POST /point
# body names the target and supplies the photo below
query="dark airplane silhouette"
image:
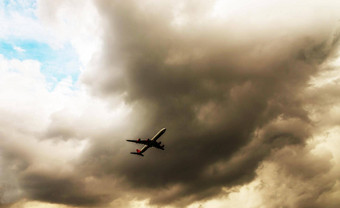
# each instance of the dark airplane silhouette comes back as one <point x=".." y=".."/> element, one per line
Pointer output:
<point x="148" y="143"/>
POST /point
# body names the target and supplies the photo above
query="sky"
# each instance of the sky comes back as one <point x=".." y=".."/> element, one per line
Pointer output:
<point x="248" y="91"/>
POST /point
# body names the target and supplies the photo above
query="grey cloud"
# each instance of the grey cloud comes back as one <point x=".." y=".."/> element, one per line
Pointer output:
<point x="59" y="189"/>
<point x="229" y="93"/>
<point x="301" y="179"/>
<point x="62" y="127"/>
<point x="212" y="87"/>
<point x="21" y="177"/>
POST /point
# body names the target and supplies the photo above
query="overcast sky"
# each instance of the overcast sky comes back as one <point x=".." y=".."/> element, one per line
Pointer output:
<point x="249" y="92"/>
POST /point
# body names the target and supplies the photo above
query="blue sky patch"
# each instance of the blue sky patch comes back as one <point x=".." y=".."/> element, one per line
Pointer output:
<point x="56" y="64"/>
<point x="24" y="7"/>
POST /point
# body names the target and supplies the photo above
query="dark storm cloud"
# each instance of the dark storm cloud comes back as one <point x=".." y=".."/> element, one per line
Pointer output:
<point x="22" y="176"/>
<point x="58" y="189"/>
<point x="228" y="94"/>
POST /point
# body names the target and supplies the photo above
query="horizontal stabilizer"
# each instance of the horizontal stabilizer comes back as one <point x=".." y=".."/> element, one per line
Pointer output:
<point x="137" y="153"/>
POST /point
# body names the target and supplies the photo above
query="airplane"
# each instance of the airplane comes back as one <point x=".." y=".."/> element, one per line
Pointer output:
<point x="148" y="143"/>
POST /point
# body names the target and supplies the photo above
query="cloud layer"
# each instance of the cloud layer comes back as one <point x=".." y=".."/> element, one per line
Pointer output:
<point x="229" y="93"/>
<point x="234" y="89"/>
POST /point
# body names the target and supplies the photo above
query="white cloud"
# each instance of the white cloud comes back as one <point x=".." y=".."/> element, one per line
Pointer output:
<point x="25" y="93"/>
<point x="54" y="23"/>
<point x="28" y="108"/>
<point x="80" y="24"/>
<point x="17" y="48"/>
<point x="16" y="25"/>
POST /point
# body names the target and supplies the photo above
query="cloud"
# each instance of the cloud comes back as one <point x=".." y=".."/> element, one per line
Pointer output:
<point x="36" y="164"/>
<point x="17" y="48"/>
<point x="229" y="91"/>
<point x="233" y="90"/>
<point x="297" y="177"/>
<point x="69" y="21"/>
